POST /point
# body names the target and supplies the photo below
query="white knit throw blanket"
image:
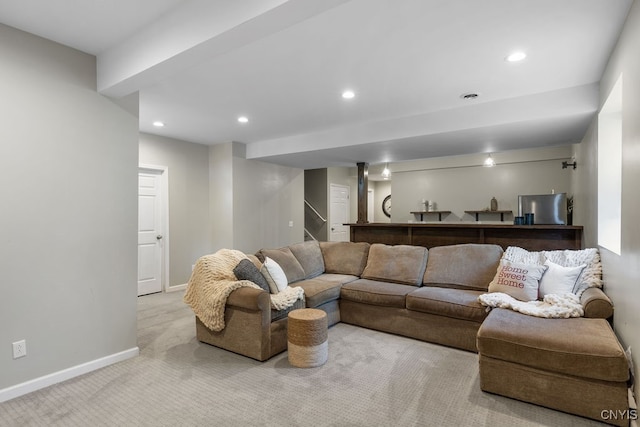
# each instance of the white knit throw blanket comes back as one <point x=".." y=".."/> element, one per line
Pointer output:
<point x="553" y="305"/>
<point x="213" y="280"/>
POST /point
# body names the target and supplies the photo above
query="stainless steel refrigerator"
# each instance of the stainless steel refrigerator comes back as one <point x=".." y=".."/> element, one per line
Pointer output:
<point x="546" y="208"/>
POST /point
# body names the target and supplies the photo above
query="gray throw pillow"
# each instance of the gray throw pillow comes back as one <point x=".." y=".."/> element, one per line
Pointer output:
<point x="246" y="270"/>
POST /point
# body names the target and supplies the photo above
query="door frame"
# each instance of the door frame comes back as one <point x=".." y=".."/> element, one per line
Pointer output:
<point x="164" y="199"/>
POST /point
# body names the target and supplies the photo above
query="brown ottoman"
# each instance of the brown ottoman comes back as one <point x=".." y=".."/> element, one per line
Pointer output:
<point x="307" y="338"/>
<point x="573" y="365"/>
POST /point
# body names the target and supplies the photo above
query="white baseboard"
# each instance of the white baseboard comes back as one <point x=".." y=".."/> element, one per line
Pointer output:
<point x="177" y="288"/>
<point x="66" y="374"/>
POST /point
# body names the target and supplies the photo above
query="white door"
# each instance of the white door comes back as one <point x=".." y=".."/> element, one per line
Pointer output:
<point x="150" y="228"/>
<point x="339" y="213"/>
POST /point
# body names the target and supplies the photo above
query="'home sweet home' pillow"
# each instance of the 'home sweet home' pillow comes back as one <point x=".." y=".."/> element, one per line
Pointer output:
<point x="518" y="280"/>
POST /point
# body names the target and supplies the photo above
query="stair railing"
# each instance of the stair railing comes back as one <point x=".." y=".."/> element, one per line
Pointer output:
<point x="315" y="211"/>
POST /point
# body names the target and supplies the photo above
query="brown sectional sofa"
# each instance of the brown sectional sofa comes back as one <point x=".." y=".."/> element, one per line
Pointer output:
<point x="432" y="295"/>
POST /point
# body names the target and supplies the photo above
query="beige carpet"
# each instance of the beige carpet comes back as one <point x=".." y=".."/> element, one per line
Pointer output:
<point x="370" y="379"/>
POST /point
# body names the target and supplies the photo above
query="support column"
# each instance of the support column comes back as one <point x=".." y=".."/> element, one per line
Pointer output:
<point x="363" y="192"/>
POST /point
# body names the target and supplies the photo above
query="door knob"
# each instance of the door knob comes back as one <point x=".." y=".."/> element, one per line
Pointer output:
<point x="159" y="237"/>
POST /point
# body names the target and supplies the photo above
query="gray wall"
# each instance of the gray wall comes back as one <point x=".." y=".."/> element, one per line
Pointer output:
<point x="460" y="183"/>
<point x="221" y="196"/>
<point x="252" y="202"/>
<point x="266" y="199"/>
<point x="584" y="186"/>
<point x="621" y="273"/>
<point x="189" y="224"/>
<point x="381" y="190"/>
<point x="68" y="167"/>
<point x="218" y="199"/>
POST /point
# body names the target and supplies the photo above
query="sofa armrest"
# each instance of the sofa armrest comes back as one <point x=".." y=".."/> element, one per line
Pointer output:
<point x="250" y="299"/>
<point x="596" y="304"/>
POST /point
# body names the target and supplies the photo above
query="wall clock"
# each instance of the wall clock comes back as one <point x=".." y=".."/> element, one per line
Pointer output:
<point x="386" y="206"/>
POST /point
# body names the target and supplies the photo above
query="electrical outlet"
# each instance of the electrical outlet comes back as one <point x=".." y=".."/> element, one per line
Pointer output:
<point x="19" y="349"/>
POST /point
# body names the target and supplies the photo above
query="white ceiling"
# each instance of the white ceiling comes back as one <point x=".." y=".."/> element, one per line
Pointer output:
<point x="199" y="64"/>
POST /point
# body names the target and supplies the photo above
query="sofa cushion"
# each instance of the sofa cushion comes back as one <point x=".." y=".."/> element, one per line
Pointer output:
<point x="247" y="270"/>
<point x="376" y="293"/>
<point x="398" y="264"/>
<point x="323" y="288"/>
<point x="467" y="266"/>
<point x="286" y="260"/>
<point x="310" y="258"/>
<point x="344" y="257"/>
<point x="457" y="303"/>
<point x="581" y="347"/>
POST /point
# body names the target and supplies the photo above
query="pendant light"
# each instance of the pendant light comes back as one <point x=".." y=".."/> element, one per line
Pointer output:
<point x="489" y="162"/>
<point x="386" y="173"/>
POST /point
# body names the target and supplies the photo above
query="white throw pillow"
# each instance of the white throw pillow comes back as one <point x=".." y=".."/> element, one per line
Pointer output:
<point x="274" y="275"/>
<point x="558" y="279"/>
<point x="518" y="280"/>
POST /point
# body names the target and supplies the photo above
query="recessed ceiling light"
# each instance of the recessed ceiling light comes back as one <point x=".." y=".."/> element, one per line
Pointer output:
<point x="243" y="119"/>
<point x="471" y="95"/>
<point x="516" y="56"/>
<point x="158" y="124"/>
<point x="348" y="94"/>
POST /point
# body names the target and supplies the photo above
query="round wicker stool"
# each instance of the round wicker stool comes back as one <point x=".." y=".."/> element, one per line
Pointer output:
<point x="307" y="338"/>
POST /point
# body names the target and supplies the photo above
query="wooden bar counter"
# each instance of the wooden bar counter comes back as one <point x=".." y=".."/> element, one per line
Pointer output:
<point x="530" y="237"/>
